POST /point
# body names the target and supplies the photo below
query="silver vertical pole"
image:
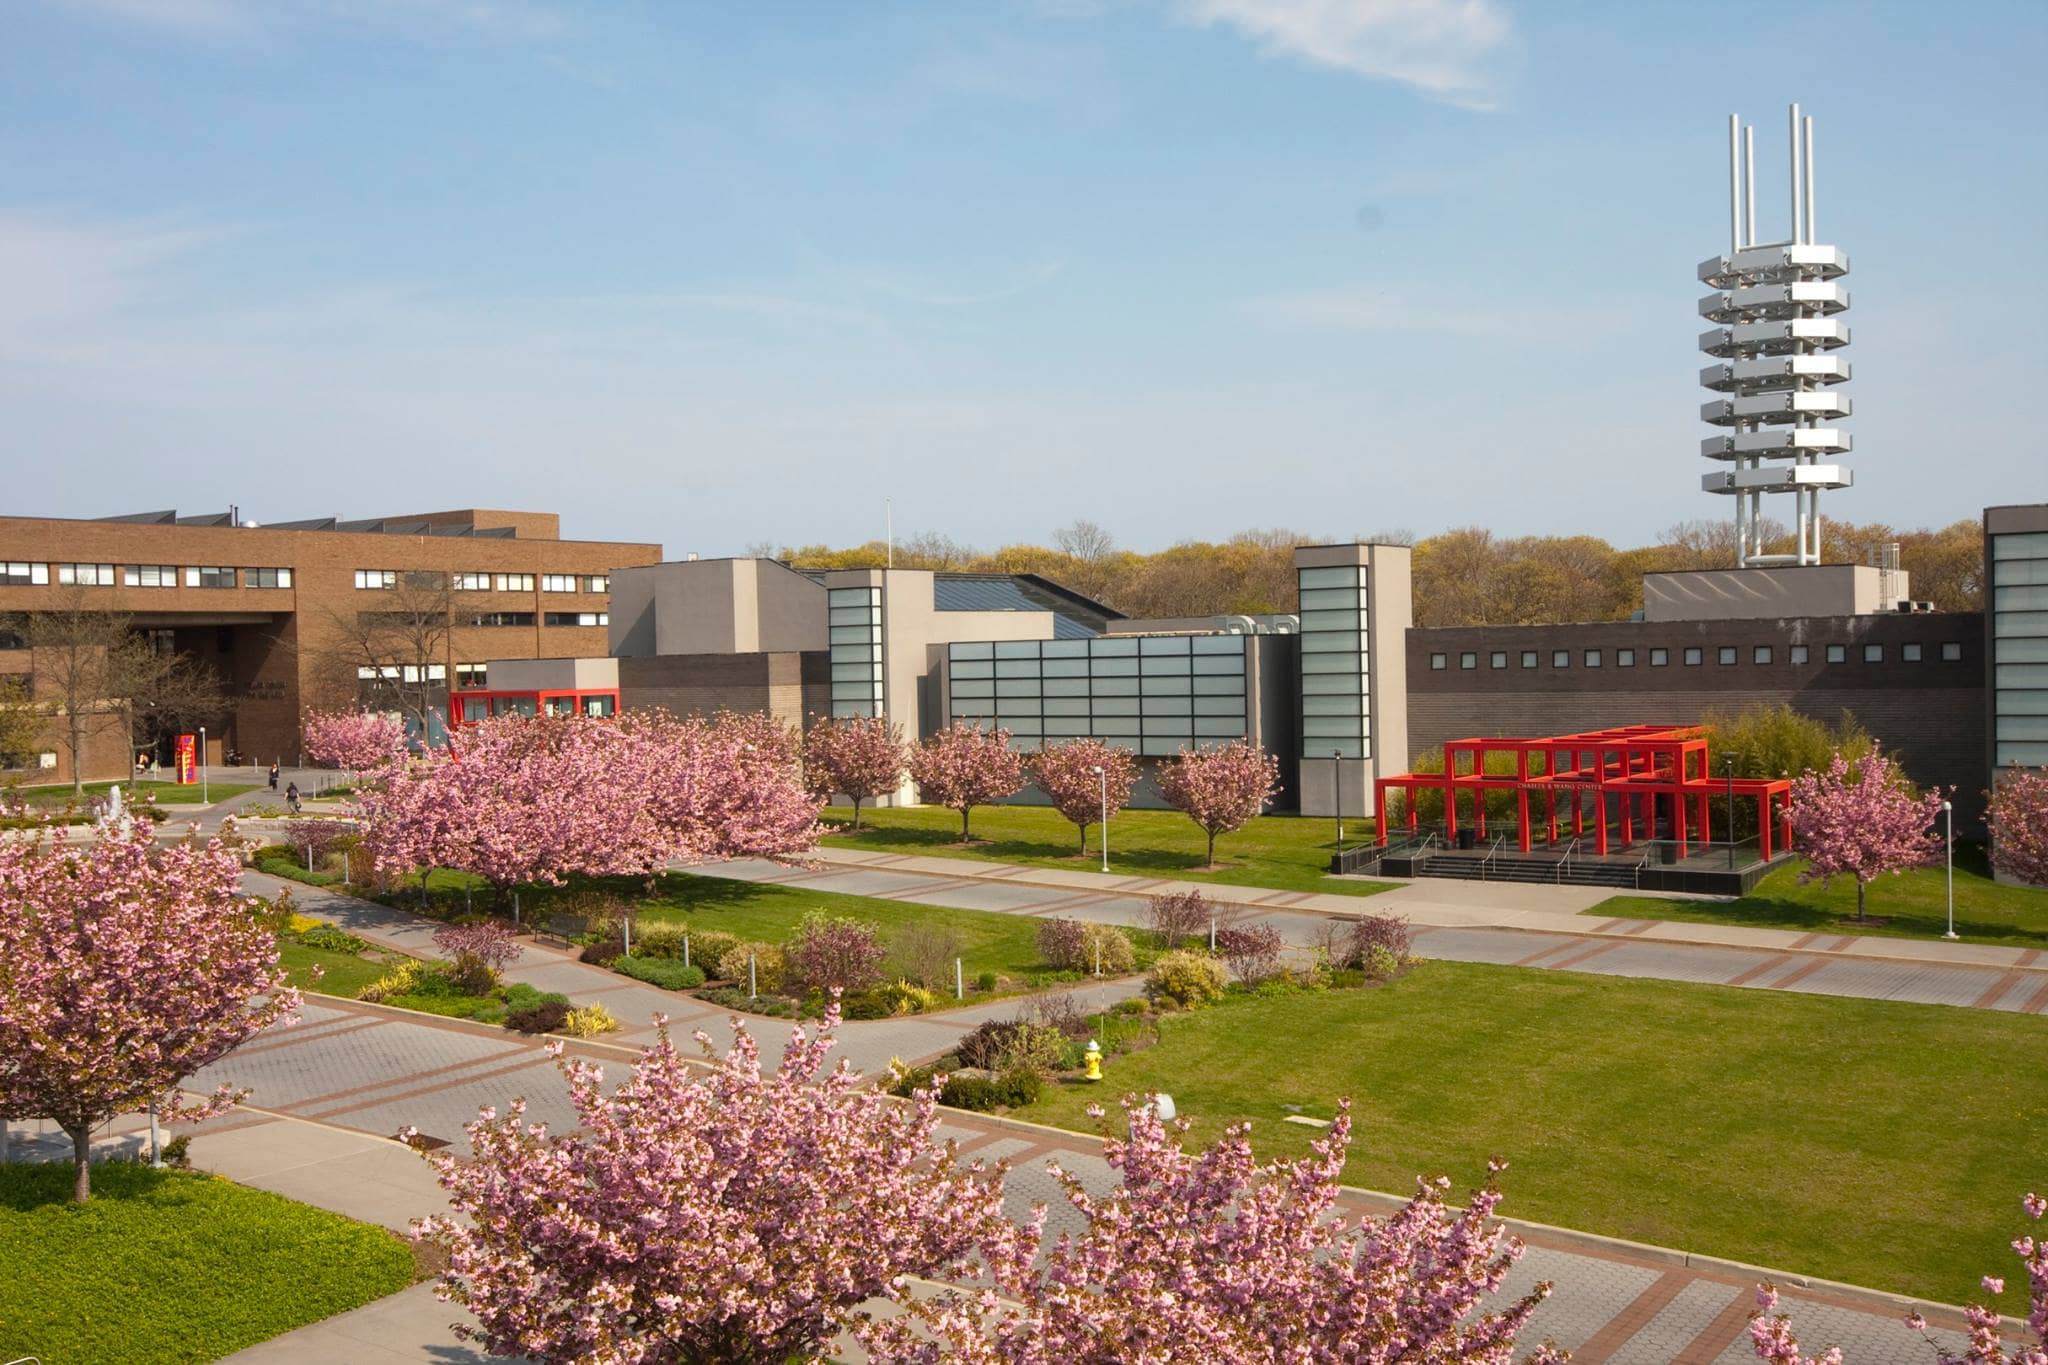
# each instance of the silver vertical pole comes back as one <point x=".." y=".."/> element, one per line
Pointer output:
<point x="1798" y="190"/>
<point x="1749" y="185"/>
<point x="1811" y="233"/>
<point x="1735" y="193"/>
<point x="959" y="980"/>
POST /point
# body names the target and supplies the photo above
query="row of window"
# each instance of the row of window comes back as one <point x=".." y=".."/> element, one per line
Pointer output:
<point x="1695" y="655"/>
<point x="21" y="574"/>
<point x="378" y="579"/>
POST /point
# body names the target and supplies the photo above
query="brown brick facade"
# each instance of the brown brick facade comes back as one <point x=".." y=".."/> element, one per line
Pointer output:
<point x="268" y="644"/>
<point x="792" y="687"/>
<point x="1929" y="712"/>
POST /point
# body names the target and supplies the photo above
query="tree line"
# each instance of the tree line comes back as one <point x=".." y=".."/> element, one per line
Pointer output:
<point x="1466" y="576"/>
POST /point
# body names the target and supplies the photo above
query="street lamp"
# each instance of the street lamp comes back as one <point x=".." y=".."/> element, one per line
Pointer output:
<point x="1103" y="777"/>
<point x="1948" y="821"/>
<point x="1728" y="763"/>
<point x="202" y="766"/>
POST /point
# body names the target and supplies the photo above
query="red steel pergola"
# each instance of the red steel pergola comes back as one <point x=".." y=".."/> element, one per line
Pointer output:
<point x="1631" y="767"/>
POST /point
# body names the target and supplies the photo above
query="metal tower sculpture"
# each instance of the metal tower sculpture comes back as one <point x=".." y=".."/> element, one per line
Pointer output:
<point x="1777" y="305"/>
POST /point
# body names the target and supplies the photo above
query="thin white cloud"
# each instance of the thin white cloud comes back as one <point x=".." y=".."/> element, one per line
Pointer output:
<point x="1443" y="48"/>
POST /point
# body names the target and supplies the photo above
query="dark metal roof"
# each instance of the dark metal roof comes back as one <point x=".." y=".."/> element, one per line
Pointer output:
<point x="1074" y="617"/>
<point x="368" y="526"/>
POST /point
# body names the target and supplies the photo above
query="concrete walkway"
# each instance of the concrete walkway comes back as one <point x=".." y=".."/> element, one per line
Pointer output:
<point x="1508" y="923"/>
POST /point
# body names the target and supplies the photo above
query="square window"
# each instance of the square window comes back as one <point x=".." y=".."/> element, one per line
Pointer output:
<point x="1468" y="660"/>
<point x="1910" y="653"/>
<point x="1724" y="654"/>
<point x="1659" y="658"/>
<point x="1437" y="661"/>
<point x="1798" y="654"/>
<point x="1624" y="658"/>
<point x="1560" y="658"/>
<point x="1760" y="655"/>
<point x="1528" y="658"/>
<point x="1499" y="658"/>
<point x="1951" y="652"/>
<point x="1837" y="653"/>
<point x="1592" y="658"/>
<point x="1873" y="654"/>
<point x="1694" y="656"/>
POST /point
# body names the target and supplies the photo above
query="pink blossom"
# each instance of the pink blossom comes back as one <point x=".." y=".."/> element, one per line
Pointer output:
<point x="1220" y="788"/>
<point x="964" y="766"/>
<point x="861" y="756"/>
<point x="1861" y="820"/>
<point x="2018" y="816"/>
<point x="359" y="741"/>
<point x="1066" y="774"/>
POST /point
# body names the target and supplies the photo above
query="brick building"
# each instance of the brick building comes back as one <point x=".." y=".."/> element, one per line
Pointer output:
<point x="288" y="613"/>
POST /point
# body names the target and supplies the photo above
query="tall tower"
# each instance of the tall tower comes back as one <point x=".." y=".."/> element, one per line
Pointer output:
<point x="1777" y="304"/>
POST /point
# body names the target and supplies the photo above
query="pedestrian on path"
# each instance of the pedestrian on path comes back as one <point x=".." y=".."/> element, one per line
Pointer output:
<point x="291" y="797"/>
<point x="273" y="777"/>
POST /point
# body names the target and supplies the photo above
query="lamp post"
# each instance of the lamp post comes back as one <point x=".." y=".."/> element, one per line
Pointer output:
<point x="1948" y="822"/>
<point x="1337" y="783"/>
<point x="1728" y="763"/>
<point x="202" y="766"/>
<point x="1103" y="778"/>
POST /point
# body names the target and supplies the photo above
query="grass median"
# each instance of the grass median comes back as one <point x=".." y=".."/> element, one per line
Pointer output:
<point x="1283" y="852"/>
<point x="170" y="1266"/>
<point x="1912" y="904"/>
<point x="1868" y="1141"/>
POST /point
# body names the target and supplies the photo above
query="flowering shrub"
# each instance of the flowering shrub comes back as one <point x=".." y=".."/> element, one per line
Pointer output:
<point x="1066" y="774"/>
<point x="1252" y="951"/>
<point x="488" y="941"/>
<point x="1862" y="820"/>
<point x="1189" y="979"/>
<point x="964" y="766"/>
<point x="589" y="1021"/>
<point x="860" y="756"/>
<point x="1059" y="942"/>
<point x="360" y="741"/>
<point x="308" y="835"/>
<point x="1178" y="917"/>
<point x="830" y="952"/>
<point x="1220" y="788"/>
<point x="2018" y="816"/>
<point x="1351" y="944"/>
<point x="1079" y="946"/>
<point x="734" y="1216"/>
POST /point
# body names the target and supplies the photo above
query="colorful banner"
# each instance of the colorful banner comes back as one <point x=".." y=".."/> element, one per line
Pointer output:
<point x="188" y="760"/>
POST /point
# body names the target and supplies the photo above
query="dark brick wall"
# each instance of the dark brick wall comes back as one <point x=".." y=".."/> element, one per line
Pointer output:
<point x="1930" y="713"/>
<point x="792" y="687"/>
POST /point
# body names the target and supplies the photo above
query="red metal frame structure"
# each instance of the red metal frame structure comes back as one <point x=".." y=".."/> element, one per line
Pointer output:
<point x="566" y="701"/>
<point x="1633" y="766"/>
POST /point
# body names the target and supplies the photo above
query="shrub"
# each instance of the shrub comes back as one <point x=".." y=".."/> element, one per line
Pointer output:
<point x="404" y="979"/>
<point x="924" y="953"/>
<point x="664" y="939"/>
<point x="1178" y="917"/>
<point x="488" y="941"/>
<point x="1253" y="951"/>
<point x="1350" y="945"/>
<point x="549" y="1016"/>
<point x="603" y="952"/>
<point x="1107" y="949"/>
<point x="732" y="965"/>
<point x="1380" y="964"/>
<point x="602" y="912"/>
<point x="829" y="951"/>
<point x="983" y="1049"/>
<point x="708" y="948"/>
<point x="1059" y="942"/>
<point x="470" y="976"/>
<point x="888" y="1001"/>
<point x="666" y="973"/>
<point x="1137" y="1004"/>
<point x="178" y="1151"/>
<point x="1189" y="979"/>
<point x="330" y="939"/>
<point x="1011" y="1090"/>
<point x="589" y="1021"/>
<point x="735" y="998"/>
<point x="987" y="981"/>
<point x="520" y="995"/>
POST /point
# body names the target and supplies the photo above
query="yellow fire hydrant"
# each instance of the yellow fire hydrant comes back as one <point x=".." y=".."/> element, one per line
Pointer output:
<point x="1094" y="1060"/>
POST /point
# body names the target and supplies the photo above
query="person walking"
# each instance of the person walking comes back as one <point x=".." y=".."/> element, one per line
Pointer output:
<point x="291" y="796"/>
<point x="273" y="777"/>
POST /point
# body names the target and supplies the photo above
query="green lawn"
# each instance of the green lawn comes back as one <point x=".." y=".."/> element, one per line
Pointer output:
<point x="1914" y="905"/>
<point x="1874" y="1142"/>
<point x="346" y="973"/>
<point x="1285" y="852"/>
<point x="166" y="1266"/>
<point x="166" y="793"/>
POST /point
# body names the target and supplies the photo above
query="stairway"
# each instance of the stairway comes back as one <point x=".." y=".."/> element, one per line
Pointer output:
<point x="1514" y="868"/>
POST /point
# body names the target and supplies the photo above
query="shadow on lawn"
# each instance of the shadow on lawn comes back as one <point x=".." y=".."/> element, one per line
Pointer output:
<point x="1776" y="913"/>
<point x="1002" y="850"/>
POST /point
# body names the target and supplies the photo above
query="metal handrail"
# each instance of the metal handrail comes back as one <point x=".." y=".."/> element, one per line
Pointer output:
<point x="1640" y="865"/>
<point x="1564" y="863"/>
<point x="1486" y="863"/>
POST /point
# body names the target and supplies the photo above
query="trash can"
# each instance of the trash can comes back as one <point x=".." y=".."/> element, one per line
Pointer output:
<point x="1468" y="838"/>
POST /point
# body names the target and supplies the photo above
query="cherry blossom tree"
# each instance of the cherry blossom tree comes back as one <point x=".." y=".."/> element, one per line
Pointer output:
<point x="1220" y="788"/>
<point x="2018" y="816"/>
<point x="540" y="798"/>
<point x="964" y="766"/>
<point x="1210" y="1256"/>
<point x="357" y="741"/>
<point x="124" y="968"/>
<point x="1066" y="773"/>
<point x="861" y="756"/>
<point x="728" y="1216"/>
<point x="1862" y="820"/>
<point x="1772" y="1338"/>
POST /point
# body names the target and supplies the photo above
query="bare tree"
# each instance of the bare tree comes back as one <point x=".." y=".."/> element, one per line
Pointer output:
<point x="1084" y="540"/>
<point x="88" y="665"/>
<point x="173" y="694"/>
<point x="393" y="658"/>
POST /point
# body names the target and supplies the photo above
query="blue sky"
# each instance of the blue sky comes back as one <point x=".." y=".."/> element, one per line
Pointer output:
<point x="716" y="274"/>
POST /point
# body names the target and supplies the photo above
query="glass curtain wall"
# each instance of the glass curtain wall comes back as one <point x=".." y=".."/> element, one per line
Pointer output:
<point x="1152" y="694"/>
<point x="2019" y="649"/>
<point x="1334" y="687"/>
<point x="855" y="650"/>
